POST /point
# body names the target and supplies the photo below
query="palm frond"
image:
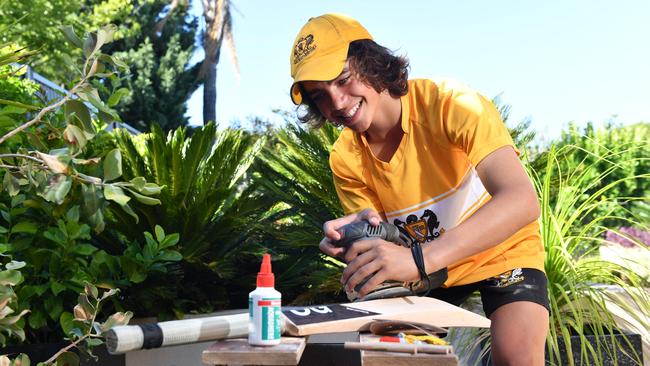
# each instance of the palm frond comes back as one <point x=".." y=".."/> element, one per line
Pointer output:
<point x="208" y="198"/>
<point x="294" y="171"/>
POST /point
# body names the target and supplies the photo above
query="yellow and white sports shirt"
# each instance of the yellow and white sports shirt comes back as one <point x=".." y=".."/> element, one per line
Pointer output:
<point x="430" y="184"/>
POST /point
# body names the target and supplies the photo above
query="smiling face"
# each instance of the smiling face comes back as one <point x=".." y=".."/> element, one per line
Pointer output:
<point x="345" y="100"/>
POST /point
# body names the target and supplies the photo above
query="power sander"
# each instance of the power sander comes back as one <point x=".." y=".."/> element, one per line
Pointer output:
<point x="363" y="230"/>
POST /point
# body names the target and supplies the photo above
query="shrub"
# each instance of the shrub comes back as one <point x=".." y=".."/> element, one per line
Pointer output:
<point x="55" y="192"/>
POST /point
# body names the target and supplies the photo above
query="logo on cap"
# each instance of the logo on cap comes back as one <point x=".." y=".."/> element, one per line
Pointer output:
<point x="304" y="47"/>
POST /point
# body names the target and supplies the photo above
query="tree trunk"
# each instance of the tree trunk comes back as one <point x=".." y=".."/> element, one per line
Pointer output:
<point x="210" y="93"/>
<point x="218" y="26"/>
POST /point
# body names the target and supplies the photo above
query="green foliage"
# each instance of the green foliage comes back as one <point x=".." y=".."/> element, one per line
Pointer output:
<point x="61" y="257"/>
<point x="57" y="266"/>
<point x="613" y="160"/>
<point x="119" y="12"/>
<point x="14" y="88"/>
<point x="521" y="133"/>
<point x="161" y="79"/>
<point x="33" y="24"/>
<point x="16" y="94"/>
<point x="57" y="180"/>
<point x="20" y="360"/>
<point x="154" y="256"/>
<point x="627" y="154"/>
<point x="11" y="53"/>
<point x="53" y="174"/>
<point x="82" y="327"/>
<point x="571" y="233"/>
<point x="210" y="200"/>
<point x="10" y="277"/>
<point x="14" y="111"/>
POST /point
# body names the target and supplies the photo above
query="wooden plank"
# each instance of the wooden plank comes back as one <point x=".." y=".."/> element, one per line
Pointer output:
<point x="383" y="358"/>
<point x="239" y="352"/>
<point x="357" y="316"/>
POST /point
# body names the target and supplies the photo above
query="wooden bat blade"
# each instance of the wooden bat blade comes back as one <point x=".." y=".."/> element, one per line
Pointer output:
<point x="357" y="316"/>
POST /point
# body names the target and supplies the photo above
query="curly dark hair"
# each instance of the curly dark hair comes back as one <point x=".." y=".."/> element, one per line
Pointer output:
<point x="375" y="65"/>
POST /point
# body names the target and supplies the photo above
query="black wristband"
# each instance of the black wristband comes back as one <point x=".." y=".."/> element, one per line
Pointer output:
<point x="418" y="257"/>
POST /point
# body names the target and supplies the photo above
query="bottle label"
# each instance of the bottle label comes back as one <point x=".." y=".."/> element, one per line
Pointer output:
<point x="270" y="311"/>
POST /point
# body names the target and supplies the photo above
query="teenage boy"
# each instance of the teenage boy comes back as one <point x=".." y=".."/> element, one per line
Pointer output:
<point x="434" y="158"/>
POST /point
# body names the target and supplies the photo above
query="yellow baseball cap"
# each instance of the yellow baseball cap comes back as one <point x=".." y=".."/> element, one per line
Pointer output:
<point x="321" y="49"/>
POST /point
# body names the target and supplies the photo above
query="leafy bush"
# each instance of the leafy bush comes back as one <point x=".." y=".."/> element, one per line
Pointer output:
<point x="10" y="277"/>
<point x="55" y="190"/>
<point x="15" y="88"/>
<point x="83" y="328"/>
<point x="61" y="257"/>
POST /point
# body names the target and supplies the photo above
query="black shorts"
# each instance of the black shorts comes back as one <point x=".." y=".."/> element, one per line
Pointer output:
<point x="519" y="284"/>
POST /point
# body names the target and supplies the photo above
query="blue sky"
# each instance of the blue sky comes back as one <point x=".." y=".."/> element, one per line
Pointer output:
<point x="552" y="61"/>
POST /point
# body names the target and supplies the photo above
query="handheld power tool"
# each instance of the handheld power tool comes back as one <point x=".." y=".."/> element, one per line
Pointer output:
<point x="363" y="230"/>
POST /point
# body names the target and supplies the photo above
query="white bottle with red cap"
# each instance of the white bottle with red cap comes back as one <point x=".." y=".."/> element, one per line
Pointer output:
<point x="264" y="308"/>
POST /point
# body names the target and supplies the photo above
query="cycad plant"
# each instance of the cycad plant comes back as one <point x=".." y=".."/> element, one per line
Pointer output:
<point x="209" y="199"/>
<point x="295" y="174"/>
<point x="571" y="235"/>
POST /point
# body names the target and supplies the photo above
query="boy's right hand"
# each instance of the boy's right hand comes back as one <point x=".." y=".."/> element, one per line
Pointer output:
<point x="330" y="229"/>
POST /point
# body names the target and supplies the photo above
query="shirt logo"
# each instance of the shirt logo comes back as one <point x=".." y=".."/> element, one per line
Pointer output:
<point x="304" y="47"/>
<point x="420" y="229"/>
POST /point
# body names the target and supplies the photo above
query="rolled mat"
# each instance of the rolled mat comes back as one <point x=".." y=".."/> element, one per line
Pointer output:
<point x="127" y="338"/>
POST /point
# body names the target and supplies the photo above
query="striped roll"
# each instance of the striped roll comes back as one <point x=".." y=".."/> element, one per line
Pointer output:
<point x="127" y="338"/>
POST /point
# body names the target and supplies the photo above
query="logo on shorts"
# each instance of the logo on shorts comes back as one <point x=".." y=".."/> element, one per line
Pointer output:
<point x="507" y="278"/>
<point x="304" y="47"/>
<point x="420" y="229"/>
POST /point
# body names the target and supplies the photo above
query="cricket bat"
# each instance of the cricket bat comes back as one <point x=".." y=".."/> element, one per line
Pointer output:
<point x="357" y="316"/>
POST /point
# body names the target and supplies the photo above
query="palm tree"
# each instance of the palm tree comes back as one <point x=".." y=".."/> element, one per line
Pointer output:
<point x="218" y="27"/>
